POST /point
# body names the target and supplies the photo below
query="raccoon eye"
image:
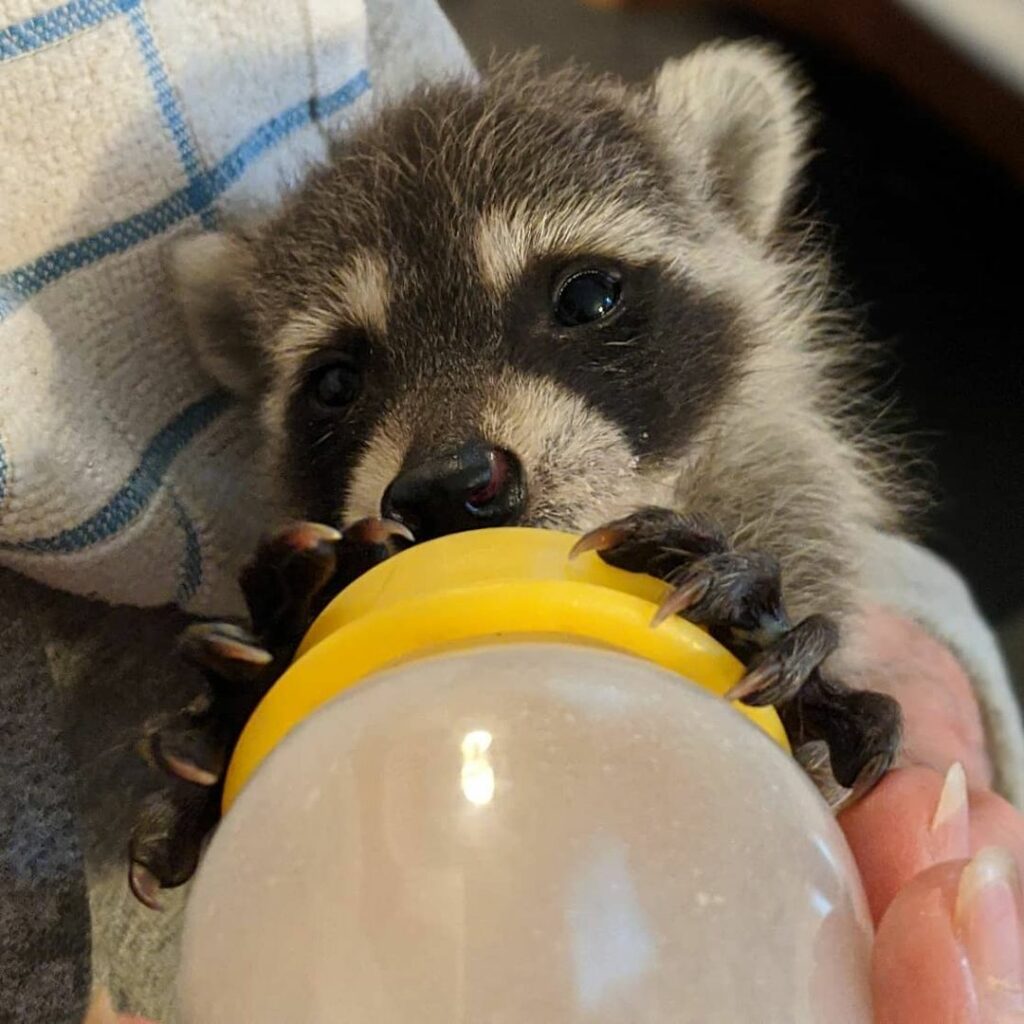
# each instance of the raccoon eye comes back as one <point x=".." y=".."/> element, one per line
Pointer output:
<point x="586" y="295"/>
<point x="336" y="385"/>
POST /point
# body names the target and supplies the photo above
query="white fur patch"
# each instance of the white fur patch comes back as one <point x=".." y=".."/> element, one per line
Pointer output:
<point x="301" y="336"/>
<point x="579" y="466"/>
<point x="507" y="238"/>
<point x="357" y="296"/>
<point x="361" y="289"/>
<point x="378" y="465"/>
<point x="739" y="109"/>
<point x="209" y="271"/>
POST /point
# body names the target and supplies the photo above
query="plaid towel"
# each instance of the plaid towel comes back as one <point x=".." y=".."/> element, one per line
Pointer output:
<point x="123" y="474"/>
<point x="90" y="486"/>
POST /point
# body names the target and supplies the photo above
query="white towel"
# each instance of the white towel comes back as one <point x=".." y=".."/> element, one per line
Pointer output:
<point x="123" y="474"/>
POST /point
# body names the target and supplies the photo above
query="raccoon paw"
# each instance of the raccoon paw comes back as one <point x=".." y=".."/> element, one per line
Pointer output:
<point x="293" y="576"/>
<point x="737" y="596"/>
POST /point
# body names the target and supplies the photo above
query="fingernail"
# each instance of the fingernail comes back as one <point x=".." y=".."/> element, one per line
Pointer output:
<point x="953" y="798"/>
<point x="949" y="835"/>
<point x="987" y="920"/>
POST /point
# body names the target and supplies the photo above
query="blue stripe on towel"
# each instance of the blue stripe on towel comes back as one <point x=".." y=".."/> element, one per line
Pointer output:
<point x="138" y="490"/>
<point x="20" y="284"/>
<point x="165" y="97"/>
<point x="190" y="574"/>
<point x="322" y="107"/>
<point x="59" y="23"/>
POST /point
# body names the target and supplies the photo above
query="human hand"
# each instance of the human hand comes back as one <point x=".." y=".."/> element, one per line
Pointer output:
<point x="938" y="851"/>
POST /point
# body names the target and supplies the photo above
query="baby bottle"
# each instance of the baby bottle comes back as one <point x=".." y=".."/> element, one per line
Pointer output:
<point x="487" y="791"/>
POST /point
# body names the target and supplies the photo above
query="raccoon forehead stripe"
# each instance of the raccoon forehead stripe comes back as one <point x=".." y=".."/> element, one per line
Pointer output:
<point x="355" y="294"/>
<point x="301" y="335"/>
<point x="361" y="288"/>
<point x="506" y="239"/>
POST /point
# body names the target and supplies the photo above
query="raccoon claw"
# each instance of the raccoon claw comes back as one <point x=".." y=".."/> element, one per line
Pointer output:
<point x="686" y="596"/>
<point x="144" y="885"/>
<point x="305" y="536"/>
<point x="298" y="570"/>
<point x="845" y="739"/>
<point x="813" y="757"/>
<point x="174" y="820"/>
<point x="655" y="541"/>
<point x="294" y="574"/>
<point x="729" y="590"/>
<point x="604" y="538"/>
<point x="365" y="544"/>
<point x="225" y="649"/>
<point x="869" y="776"/>
<point x="861" y="728"/>
<point x="289" y="572"/>
<point x="192" y="750"/>
<point x="167" y="839"/>
<point x="378" y="531"/>
<point x="781" y="672"/>
<point x="815" y="761"/>
<point x="192" y="755"/>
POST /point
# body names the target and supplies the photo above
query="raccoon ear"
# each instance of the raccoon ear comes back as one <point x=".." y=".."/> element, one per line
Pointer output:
<point x="738" y="108"/>
<point x="209" y="273"/>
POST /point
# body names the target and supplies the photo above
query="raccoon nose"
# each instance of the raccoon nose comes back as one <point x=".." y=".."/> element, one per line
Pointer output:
<point x="464" y="489"/>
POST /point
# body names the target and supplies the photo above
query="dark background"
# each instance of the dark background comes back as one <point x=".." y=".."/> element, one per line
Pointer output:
<point x="927" y="231"/>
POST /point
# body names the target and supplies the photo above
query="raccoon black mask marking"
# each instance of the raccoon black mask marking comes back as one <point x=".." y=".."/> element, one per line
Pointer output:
<point x="550" y="299"/>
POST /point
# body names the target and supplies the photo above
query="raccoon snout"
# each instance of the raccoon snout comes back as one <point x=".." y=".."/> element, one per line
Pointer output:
<point x="466" y="488"/>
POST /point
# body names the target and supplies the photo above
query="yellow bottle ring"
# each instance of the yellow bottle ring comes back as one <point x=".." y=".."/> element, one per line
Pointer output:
<point x="483" y="586"/>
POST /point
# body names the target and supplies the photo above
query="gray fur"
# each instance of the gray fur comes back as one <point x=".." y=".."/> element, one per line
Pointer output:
<point x="729" y="392"/>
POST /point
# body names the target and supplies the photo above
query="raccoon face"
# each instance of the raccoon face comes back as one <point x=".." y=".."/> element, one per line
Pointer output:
<point x="526" y="300"/>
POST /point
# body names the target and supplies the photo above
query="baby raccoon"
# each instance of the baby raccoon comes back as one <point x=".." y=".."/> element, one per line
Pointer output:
<point x="557" y="301"/>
